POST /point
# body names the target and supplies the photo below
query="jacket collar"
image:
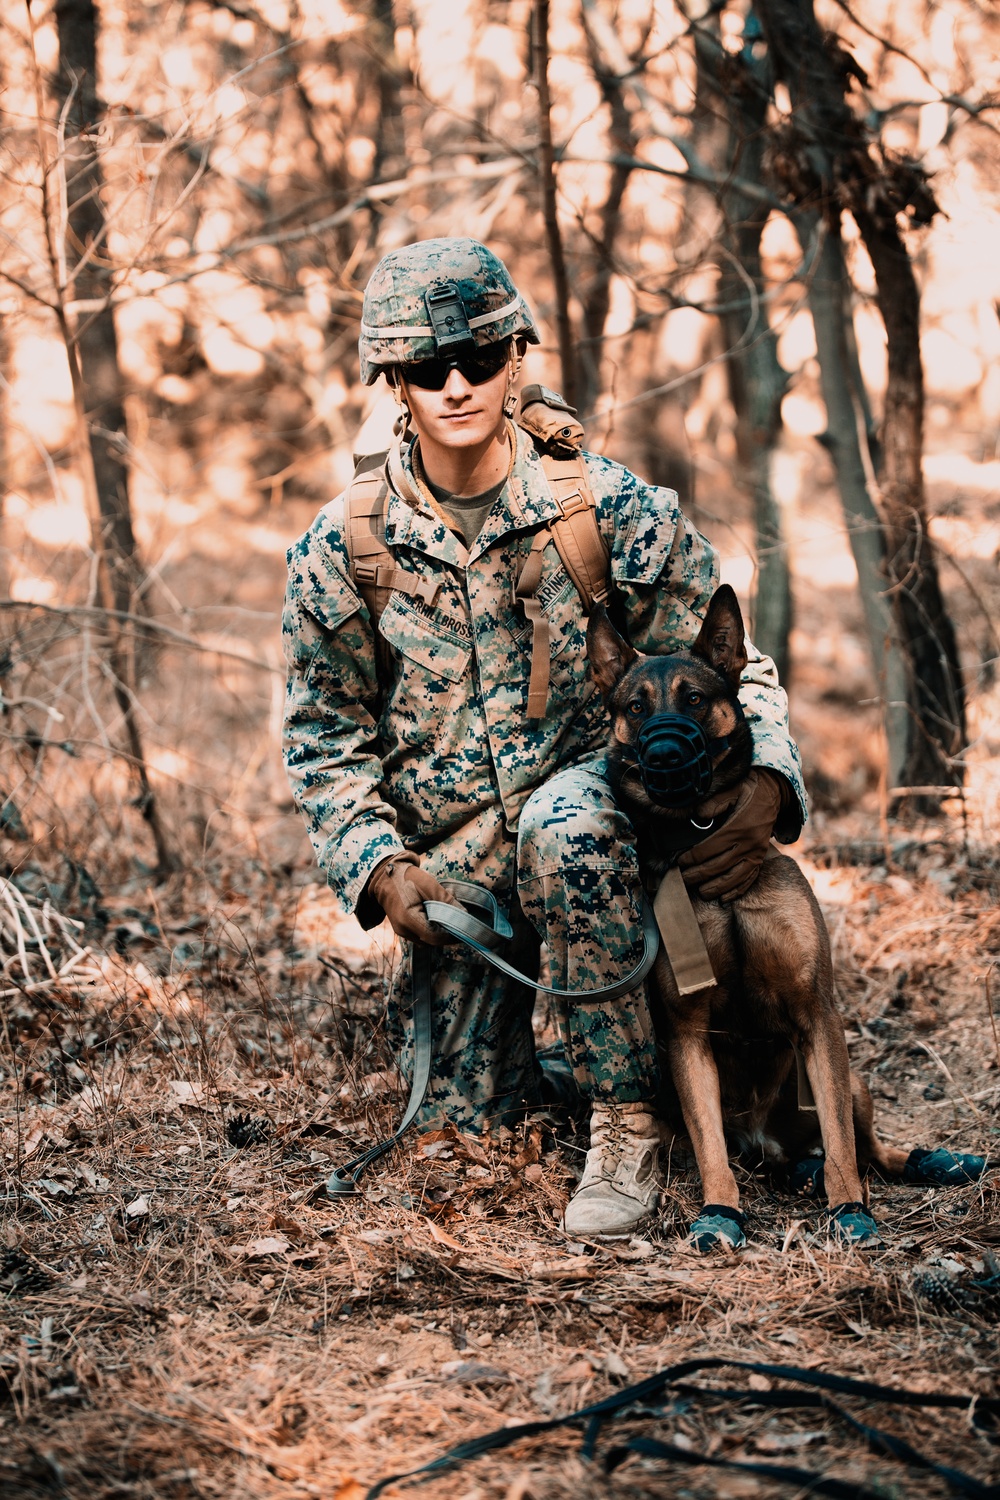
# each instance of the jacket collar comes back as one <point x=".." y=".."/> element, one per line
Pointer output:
<point x="523" y="504"/>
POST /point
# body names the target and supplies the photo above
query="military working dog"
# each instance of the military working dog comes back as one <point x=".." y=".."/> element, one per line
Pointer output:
<point x="738" y="1053"/>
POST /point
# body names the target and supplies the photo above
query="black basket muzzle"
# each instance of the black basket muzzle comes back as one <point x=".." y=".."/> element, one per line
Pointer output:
<point x="675" y="759"/>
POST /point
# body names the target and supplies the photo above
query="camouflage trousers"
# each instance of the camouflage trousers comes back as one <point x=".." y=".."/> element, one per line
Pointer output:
<point x="572" y="882"/>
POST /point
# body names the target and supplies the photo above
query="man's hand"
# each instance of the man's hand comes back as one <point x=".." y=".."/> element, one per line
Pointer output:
<point x="401" y="887"/>
<point x="726" y="864"/>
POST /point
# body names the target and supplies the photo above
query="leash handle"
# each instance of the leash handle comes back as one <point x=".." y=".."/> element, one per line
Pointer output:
<point x="466" y="929"/>
<point x="484" y="937"/>
<point x="460" y="922"/>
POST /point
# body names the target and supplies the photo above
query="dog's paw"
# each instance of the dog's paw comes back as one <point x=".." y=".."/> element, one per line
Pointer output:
<point x="943" y="1168"/>
<point x="807" y="1176"/>
<point x="850" y="1224"/>
<point x="718" y="1228"/>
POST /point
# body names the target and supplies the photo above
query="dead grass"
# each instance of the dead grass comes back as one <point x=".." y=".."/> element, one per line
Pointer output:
<point x="183" y="1316"/>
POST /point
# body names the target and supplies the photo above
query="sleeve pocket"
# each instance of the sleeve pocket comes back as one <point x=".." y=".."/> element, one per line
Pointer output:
<point x="643" y="546"/>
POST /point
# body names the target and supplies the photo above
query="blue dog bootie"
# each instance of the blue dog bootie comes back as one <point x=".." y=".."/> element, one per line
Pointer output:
<point x="718" y="1228"/>
<point x="807" y="1176"/>
<point x="852" y="1225"/>
<point x="943" y="1168"/>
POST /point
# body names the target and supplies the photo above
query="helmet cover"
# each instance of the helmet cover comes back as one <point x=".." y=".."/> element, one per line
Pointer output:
<point x="431" y="299"/>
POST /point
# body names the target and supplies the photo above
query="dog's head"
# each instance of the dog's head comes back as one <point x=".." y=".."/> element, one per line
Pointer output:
<point x="678" y="731"/>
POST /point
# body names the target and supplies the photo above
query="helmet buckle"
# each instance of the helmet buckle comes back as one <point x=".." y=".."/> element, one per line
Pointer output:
<point x="449" y="319"/>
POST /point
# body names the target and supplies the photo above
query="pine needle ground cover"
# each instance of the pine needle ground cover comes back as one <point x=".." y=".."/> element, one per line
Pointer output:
<point x="185" y="1314"/>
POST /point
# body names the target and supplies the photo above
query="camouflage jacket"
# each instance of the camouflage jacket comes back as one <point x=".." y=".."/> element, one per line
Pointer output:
<point x="441" y="758"/>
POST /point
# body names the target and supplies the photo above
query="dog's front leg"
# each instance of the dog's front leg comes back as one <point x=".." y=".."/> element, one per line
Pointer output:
<point x="824" y="1050"/>
<point x="696" y="1081"/>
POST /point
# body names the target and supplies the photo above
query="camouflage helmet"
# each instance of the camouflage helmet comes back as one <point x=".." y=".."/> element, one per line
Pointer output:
<point x="436" y="298"/>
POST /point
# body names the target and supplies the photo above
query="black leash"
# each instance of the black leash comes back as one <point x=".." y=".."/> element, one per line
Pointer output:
<point x="632" y="1399"/>
<point x="483" y="937"/>
<point x="343" y="1181"/>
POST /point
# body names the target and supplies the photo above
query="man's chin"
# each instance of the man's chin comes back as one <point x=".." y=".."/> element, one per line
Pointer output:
<point x="457" y="432"/>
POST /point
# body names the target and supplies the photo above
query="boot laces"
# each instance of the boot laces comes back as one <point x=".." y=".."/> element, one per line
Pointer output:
<point x="613" y="1144"/>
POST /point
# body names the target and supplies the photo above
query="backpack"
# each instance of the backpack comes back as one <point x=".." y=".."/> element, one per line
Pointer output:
<point x="558" y="437"/>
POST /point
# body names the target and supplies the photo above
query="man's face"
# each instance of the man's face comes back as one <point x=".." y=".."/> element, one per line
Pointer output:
<point x="460" y="414"/>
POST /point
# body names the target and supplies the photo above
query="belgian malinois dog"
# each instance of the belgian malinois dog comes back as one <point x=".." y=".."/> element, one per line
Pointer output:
<point x="679" y="740"/>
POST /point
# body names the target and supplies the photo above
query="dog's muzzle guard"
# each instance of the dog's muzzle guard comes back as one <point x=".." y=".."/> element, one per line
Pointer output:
<point x="675" y="759"/>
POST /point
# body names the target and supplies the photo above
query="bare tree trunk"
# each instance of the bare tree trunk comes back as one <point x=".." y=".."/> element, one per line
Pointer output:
<point x="389" y="129"/>
<point x="830" y="165"/>
<point x="737" y="89"/>
<point x="845" y="437"/>
<point x="939" y="730"/>
<point x="111" y="521"/>
<point x="597" y="297"/>
<point x="4" y="459"/>
<point x="553" y="237"/>
<point x="90" y="276"/>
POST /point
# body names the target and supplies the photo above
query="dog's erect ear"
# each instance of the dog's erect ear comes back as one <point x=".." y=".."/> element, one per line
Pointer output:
<point x="721" y="638"/>
<point x="610" y="657"/>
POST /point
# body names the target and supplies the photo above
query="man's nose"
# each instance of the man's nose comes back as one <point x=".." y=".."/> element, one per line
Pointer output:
<point x="456" y="387"/>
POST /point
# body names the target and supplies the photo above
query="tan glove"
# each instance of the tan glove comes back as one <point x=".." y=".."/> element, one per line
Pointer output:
<point x="401" y="887"/>
<point x="726" y="864"/>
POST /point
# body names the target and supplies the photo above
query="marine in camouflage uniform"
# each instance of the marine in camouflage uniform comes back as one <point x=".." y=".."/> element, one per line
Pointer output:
<point x="439" y="758"/>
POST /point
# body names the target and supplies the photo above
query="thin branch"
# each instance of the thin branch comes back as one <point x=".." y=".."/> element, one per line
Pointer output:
<point x="696" y="171"/>
<point x="956" y="100"/>
<point x="547" y="180"/>
<point x="377" y="193"/>
<point x="22" y="286"/>
<point x="141" y="623"/>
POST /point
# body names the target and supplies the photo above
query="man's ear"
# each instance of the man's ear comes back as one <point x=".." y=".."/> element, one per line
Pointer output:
<point x="610" y="657"/>
<point x="721" y="638"/>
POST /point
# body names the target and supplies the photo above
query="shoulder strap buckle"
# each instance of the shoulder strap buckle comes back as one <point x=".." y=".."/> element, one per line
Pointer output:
<point x="573" y="503"/>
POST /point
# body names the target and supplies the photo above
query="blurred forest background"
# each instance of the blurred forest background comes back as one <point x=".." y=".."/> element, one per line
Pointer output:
<point x="762" y="242"/>
<point x="766" y="261"/>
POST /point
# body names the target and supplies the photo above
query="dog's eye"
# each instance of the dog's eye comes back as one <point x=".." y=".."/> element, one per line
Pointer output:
<point x="693" y="698"/>
<point x="635" y="708"/>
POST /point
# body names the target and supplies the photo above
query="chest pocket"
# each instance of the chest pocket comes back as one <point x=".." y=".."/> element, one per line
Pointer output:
<point x="428" y="681"/>
<point x="429" y="666"/>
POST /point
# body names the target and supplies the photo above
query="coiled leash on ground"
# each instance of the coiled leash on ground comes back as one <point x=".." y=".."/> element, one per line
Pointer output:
<point x="640" y="1401"/>
<point x="484" y="937"/>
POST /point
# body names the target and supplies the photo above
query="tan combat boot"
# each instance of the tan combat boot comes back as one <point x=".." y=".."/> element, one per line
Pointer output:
<point x="622" y="1179"/>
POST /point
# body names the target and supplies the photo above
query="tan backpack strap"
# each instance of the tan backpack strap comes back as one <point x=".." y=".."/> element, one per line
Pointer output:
<point x="553" y="424"/>
<point x="526" y="589"/>
<point x="576" y="533"/>
<point x="373" y="568"/>
<point x="584" y="554"/>
<point x="558" y="435"/>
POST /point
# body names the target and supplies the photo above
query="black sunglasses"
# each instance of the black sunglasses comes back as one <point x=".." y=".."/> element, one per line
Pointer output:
<point x="477" y="368"/>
